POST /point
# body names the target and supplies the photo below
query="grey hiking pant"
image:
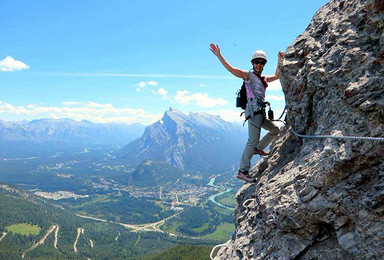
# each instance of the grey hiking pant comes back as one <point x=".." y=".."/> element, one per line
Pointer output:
<point x="254" y="128"/>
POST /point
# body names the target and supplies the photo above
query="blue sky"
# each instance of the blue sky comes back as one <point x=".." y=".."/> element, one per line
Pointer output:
<point x="129" y="61"/>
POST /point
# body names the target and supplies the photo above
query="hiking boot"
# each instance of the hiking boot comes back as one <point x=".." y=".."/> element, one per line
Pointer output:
<point x="244" y="176"/>
<point x="260" y="152"/>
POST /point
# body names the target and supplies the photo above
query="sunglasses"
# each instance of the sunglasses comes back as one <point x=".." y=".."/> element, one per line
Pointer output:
<point x="259" y="61"/>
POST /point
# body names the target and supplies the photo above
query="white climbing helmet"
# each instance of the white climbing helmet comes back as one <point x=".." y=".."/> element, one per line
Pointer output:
<point x="259" y="54"/>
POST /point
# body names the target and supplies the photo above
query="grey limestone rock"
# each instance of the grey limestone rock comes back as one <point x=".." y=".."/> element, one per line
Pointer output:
<point x="323" y="198"/>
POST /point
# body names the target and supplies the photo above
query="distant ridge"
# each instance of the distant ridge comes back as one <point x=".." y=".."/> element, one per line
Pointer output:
<point x="69" y="131"/>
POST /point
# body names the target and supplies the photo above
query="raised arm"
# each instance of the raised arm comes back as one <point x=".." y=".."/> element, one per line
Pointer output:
<point x="235" y="71"/>
<point x="276" y="76"/>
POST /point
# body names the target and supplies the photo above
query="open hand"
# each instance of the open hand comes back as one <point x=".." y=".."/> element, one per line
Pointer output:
<point x="215" y="49"/>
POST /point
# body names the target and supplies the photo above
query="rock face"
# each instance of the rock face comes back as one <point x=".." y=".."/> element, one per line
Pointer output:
<point x="323" y="198"/>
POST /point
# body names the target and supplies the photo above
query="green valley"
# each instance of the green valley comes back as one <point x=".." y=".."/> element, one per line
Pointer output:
<point x="63" y="235"/>
<point x="83" y="205"/>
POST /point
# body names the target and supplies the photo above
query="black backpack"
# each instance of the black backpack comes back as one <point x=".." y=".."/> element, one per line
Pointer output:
<point x="241" y="100"/>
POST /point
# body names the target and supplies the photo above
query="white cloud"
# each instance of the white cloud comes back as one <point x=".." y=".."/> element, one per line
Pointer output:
<point x="97" y="105"/>
<point x="199" y="99"/>
<point x="274" y="86"/>
<point x="275" y="97"/>
<point x="85" y="104"/>
<point x="162" y="92"/>
<point x="53" y="116"/>
<point x="9" y="64"/>
<point x="92" y="111"/>
<point x="141" y="85"/>
<point x="152" y="83"/>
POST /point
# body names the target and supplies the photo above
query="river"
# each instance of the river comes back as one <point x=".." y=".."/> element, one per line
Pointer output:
<point x="212" y="198"/>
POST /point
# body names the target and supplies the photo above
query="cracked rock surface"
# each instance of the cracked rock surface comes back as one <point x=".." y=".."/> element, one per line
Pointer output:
<point x="323" y="198"/>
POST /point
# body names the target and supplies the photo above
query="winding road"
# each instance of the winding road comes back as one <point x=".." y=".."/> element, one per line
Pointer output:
<point x="3" y="235"/>
<point x="41" y="241"/>
<point x="140" y="227"/>
<point x="80" y="231"/>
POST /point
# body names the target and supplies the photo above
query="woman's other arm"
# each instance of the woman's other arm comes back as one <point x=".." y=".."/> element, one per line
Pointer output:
<point x="235" y="71"/>
<point x="276" y="76"/>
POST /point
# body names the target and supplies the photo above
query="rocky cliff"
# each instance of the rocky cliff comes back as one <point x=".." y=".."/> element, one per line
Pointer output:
<point x="323" y="198"/>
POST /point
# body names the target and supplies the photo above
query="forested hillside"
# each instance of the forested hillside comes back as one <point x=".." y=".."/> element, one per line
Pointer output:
<point x="66" y="235"/>
<point x="184" y="252"/>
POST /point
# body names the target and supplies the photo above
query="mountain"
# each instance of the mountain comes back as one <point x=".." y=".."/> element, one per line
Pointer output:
<point x="152" y="173"/>
<point x="194" y="142"/>
<point x="323" y="198"/>
<point x="69" y="131"/>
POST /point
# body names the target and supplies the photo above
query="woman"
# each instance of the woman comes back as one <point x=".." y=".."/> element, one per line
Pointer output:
<point x="256" y="85"/>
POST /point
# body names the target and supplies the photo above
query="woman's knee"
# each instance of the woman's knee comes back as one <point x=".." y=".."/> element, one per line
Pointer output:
<point x="275" y="130"/>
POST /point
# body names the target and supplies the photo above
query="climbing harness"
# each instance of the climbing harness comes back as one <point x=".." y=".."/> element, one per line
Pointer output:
<point x="260" y="109"/>
<point x="263" y="106"/>
<point x="213" y="249"/>
<point x="368" y="138"/>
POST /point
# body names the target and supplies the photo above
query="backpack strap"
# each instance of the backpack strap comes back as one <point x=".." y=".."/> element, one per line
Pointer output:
<point x="249" y="100"/>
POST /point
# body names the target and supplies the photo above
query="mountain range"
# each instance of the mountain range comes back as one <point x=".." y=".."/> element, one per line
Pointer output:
<point x="194" y="142"/>
<point x="198" y="142"/>
<point x="69" y="131"/>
